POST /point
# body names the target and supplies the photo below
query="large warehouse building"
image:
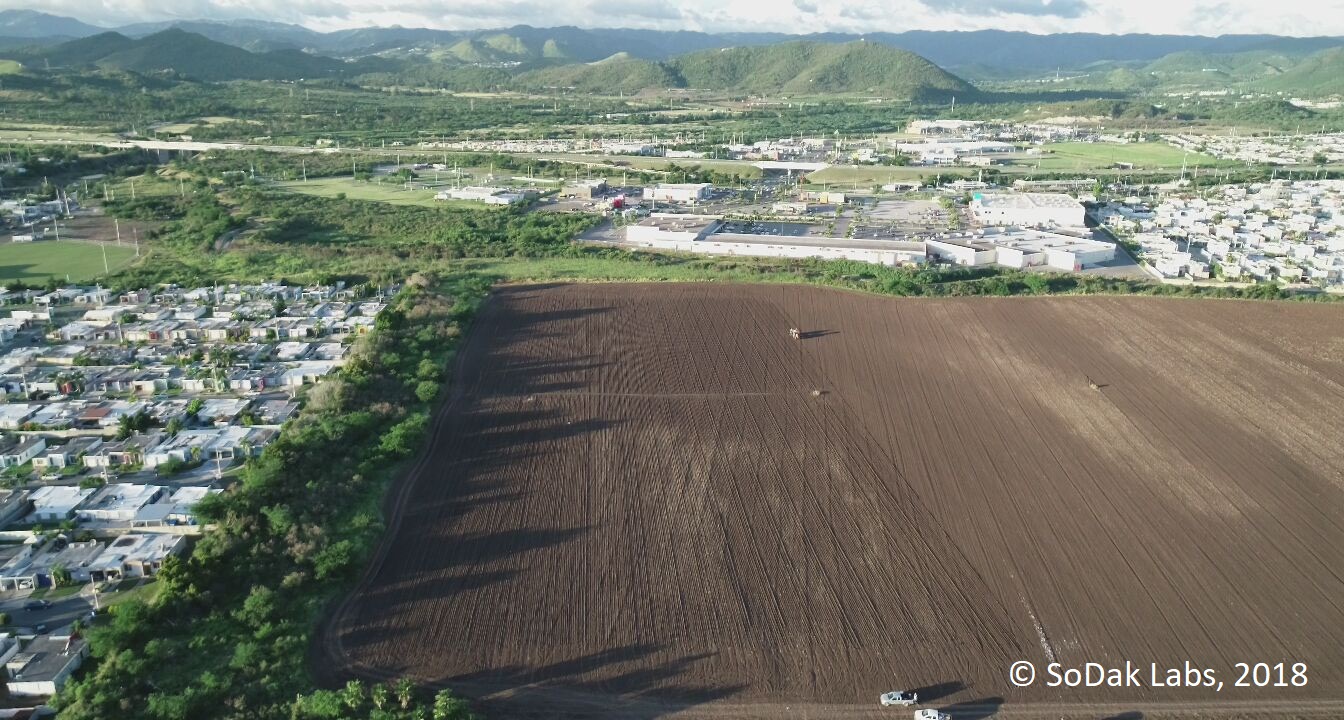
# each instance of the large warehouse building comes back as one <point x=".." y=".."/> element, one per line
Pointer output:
<point x="1020" y="249"/>
<point x="683" y="233"/>
<point x="678" y="193"/>
<point x="1027" y="209"/>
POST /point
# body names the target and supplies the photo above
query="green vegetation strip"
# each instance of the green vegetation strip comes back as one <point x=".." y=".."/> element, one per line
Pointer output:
<point x="228" y="631"/>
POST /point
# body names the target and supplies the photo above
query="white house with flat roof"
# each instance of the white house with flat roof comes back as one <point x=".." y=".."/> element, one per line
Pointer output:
<point x="43" y="666"/>
<point x="57" y="503"/>
<point x="135" y="555"/>
<point x="27" y="449"/>
<point x="119" y="502"/>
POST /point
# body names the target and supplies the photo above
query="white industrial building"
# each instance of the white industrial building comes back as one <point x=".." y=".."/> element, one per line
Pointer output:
<point x="1021" y="249"/>
<point x="681" y="233"/>
<point x="678" y="193"/>
<point x="487" y="195"/>
<point x="1027" y="209"/>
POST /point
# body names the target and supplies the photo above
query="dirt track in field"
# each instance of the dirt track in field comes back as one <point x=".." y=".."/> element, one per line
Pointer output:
<point x="638" y="505"/>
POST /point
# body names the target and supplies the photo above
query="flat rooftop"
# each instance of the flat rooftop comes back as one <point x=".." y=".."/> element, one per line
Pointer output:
<point x="810" y="241"/>
<point x="1025" y="201"/>
<point x="122" y="497"/>
<point x="1030" y="240"/>
<point x="681" y="186"/>
<point x="44" y="657"/>
<point x="679" y="223"/>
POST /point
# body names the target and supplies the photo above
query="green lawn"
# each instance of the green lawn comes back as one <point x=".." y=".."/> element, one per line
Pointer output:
<point x="1148" y="155"/>
<point x="35" y="262"/>
<point x="388" y="192"/>
<point x="657" y="267"/>
<point x="55" y="593"/>
<point x="10" y="67"/>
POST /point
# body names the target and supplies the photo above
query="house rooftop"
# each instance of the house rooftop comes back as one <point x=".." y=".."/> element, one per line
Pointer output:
<point x="122" y="496"/>
<point x="45" y="657"/>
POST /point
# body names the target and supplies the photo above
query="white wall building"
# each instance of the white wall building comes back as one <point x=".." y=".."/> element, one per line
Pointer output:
<point x="1027" y="209"/>
<point x="678" y="193"/>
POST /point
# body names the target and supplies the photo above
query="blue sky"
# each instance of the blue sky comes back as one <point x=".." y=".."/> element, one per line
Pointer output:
<point x="1203" y="17"/>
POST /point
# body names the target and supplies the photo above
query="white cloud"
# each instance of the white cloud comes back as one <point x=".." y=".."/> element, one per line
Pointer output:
<point x="1207" y="17"/>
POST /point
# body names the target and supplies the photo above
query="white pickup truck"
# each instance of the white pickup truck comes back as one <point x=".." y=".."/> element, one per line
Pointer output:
<point x="898" y="698"/>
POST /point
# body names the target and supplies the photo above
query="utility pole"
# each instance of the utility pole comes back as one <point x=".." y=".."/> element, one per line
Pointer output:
<point x="117" y="224"/>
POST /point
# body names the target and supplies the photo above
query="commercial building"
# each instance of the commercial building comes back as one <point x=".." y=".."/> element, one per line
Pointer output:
<point x="487" y="195"/>
<point x="1021" y="249"/>
<point x="678" y="193"/>
<point x="1027" y="209"/>
<point x="586" y="189"/>
<point x="659" y="230"/>
<point x="706" y="235"/>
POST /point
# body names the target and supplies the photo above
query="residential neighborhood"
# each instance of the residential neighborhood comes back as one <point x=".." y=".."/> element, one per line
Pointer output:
<point x="1284" y="232"/>
<point x="122" y="412"/>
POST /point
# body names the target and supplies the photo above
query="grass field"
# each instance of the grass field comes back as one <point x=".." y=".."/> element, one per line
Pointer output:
<point x="622" y="162"/>
<point x="10" y="67"/>
<point x="378" y="192"/>
<point x="863" y="177"/>
<point x="38" y="261"/>
<point x="1085" y="156"/>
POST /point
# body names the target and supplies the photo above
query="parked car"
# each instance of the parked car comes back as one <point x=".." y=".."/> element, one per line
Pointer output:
<point x="37" y="605"/>
<point x="899" y="698"/>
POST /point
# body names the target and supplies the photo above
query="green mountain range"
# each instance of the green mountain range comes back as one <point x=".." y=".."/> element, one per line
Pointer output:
<point x="798" y="68"/>
<point x="196" y="57"/>
<point x="1316" y="75"/>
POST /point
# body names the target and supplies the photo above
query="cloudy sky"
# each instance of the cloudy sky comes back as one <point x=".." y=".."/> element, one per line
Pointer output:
<point x="1204" y="17"/>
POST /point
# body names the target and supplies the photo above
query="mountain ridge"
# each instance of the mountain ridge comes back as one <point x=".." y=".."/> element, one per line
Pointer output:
<point x="949" y="49"/>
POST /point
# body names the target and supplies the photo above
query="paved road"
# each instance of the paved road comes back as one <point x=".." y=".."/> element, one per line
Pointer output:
<point x="62" y="612"/>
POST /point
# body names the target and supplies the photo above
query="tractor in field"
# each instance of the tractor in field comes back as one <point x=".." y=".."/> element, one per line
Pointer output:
<point x="795" y="333"/>
<point x="898" y="698"/>
<point x="928" y="714"/>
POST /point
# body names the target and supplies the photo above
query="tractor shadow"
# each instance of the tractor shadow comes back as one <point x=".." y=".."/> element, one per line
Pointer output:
<point x="812" y="334"/>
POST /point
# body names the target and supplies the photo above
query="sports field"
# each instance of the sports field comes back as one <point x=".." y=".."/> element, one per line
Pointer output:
<point x="1145" y="155"/>
<point x="35" y="262"/>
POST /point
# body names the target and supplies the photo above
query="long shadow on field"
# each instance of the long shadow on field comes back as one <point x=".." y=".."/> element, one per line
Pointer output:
<point x="1131" y="715"/>
<point x="931" y="693"/>
<point x="978" y="709"/>
<point x="624" y="682"/>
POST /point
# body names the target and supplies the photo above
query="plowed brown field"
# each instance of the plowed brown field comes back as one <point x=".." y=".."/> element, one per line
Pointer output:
<point x="637" y="504"/>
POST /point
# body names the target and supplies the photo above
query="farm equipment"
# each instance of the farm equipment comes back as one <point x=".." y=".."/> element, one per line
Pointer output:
<point x="795" y="333"/>
<point x="898" y="698"/>
<point x="928" y="714"/>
